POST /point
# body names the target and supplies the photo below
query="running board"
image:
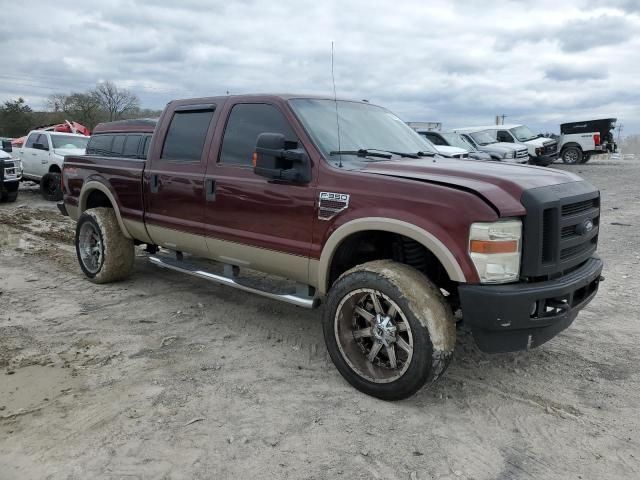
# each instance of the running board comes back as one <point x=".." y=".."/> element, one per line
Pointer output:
<point x="191" y="269"/>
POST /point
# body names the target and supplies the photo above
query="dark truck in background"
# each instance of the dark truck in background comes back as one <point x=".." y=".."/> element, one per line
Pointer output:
<point x="390" y="237"/>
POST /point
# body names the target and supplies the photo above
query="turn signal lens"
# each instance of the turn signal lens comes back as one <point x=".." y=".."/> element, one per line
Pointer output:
<point x="488" y="246"/>
<point x="254" y="159"/>
<point x="494" y="249"/>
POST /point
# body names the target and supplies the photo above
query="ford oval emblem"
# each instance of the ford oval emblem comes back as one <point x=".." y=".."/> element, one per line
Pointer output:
<point x="587" y="226"/>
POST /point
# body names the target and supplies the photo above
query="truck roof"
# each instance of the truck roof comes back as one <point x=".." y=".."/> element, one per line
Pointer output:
<point x="137" y="125"/>
<point x="507" y="126"/>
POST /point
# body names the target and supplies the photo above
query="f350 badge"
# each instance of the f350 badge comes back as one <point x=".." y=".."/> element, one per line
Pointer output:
<point x="331" y="204"/>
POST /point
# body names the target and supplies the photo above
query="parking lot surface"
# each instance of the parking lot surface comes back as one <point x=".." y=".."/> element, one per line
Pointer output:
<point x="168" y="376"/>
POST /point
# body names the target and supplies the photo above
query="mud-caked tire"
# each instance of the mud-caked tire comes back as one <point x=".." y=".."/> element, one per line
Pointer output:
<point x="50" y="187"/>
<point x="104" y="253"/>
<point x="388" y="329"/>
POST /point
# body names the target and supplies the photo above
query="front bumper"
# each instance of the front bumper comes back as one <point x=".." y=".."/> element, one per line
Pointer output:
<point x="501" y="318"/>
<point x="544" y="160"/>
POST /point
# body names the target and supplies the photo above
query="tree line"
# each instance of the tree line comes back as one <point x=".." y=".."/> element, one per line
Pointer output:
<point x="105" y="103"/>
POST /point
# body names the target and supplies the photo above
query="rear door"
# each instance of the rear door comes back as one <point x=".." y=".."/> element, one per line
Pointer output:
<point x="250" y="220"/>
<point x="174" y="178"/>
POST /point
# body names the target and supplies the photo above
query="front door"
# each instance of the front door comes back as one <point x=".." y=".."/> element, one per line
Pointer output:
<point x="250" y="220"/>
<point x="32" y="157"/>
<point x="174" y="180"/>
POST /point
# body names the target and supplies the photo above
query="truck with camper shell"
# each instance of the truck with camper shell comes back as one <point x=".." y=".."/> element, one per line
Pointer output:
<point x="579" y="141"/>
<point x="391" y="238"/>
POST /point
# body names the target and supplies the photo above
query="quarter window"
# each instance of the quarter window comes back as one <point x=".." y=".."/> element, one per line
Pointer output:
<point x="131" y="146"/>
<point x="246" y="122"/>
<point x="186" y="135"/>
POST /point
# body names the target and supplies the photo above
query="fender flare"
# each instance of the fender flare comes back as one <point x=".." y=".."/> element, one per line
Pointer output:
<point x="92" y="185"/>
<point x="571" y="144"/>
<point x="425" y="238"/>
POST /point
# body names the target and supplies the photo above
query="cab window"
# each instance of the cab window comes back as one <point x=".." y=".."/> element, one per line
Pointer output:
<point x="246" y="122"/>
<point x="504" y="136"/>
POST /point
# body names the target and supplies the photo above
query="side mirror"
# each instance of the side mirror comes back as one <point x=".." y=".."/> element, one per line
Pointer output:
<point x="6" y="146"/>
<point x="277" y="159"/>
<point x="40" y="146"/>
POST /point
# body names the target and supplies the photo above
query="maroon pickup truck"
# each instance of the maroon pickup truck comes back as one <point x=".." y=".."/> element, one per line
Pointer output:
<point x="355" y="211"/>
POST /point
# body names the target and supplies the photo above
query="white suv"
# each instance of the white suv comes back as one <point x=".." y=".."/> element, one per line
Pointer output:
<point x="42" y="155"/>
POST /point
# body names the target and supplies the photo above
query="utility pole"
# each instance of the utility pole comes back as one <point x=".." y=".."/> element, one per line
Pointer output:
<point x="500" y="119"/>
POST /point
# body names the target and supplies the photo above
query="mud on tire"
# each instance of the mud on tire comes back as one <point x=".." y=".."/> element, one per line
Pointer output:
<point x="414" y="314"/>
<point x="104" y="253"/>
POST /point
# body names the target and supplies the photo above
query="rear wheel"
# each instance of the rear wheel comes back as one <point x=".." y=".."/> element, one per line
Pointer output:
<point x="572" y="155"/>
<point x="586" y="158"/>
<point x="50" y="187"/>
<point x="104" y="253"/>
<point x="388" y="330"/>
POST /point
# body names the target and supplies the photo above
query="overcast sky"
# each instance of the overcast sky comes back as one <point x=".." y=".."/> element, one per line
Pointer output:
<point x="458" y="62"/>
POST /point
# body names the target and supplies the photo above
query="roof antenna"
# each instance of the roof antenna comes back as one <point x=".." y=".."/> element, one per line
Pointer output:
<point x="335" y="99"/>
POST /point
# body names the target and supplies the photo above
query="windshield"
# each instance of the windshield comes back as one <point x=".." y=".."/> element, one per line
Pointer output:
<point x="67" y="141"/>
<point x="523" y="134"/>
<point x="362" y="126"/>
<point x="484" y="137"/>
<point x="456" y="140"/>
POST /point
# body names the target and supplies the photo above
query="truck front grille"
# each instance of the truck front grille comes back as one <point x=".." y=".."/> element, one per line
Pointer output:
<point x="550" y="147"/>
<point x="560" y="228"/>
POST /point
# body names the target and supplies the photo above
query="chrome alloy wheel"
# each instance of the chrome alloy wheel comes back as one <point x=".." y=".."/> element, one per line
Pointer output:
<point x="90" y="247"/>
<point x="373" y="335"/>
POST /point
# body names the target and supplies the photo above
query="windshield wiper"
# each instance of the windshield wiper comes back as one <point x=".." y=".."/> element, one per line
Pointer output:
<point x="424" y="154"/>
<point x="373" y="152"/>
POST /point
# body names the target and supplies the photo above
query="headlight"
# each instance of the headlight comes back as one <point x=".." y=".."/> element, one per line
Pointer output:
<point x="495" y="250"/>
<point x="510" y="155"/>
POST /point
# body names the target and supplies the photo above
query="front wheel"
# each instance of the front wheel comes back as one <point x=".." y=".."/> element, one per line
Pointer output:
<point x="9" y="196"/>
<point x="50" y="187"/>
<point x="104" y="253"/>
<point x="572" y="155"/>
<point x="388" y="329"/>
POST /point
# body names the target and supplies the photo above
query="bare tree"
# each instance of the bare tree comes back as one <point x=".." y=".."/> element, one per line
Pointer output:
<point x="86" y="108"/>
<point x="116" y="101"/>
<point x="58" y="102"/>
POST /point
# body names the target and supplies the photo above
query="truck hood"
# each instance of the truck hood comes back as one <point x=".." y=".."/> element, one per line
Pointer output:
<point x="540" y="141"/>
<point x="68" y="151"/>
<point x="499" y="184"/>
<point x="449" y="151"/>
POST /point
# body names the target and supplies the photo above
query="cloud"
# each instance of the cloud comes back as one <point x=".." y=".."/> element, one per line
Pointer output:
<point x="459" y="62"/>
<point x="568" y="73"/>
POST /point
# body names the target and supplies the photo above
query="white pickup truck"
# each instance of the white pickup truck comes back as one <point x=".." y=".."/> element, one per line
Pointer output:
<point x="42" y="155"/>
<point x="579" y="141"/>
<point x="542" y="151"/>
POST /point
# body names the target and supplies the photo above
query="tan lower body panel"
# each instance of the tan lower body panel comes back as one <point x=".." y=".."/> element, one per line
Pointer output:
<point x="137" y="230"/>
<point x="292" y="267"/>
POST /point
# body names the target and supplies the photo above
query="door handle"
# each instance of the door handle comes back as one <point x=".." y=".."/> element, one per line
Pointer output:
<point x="210" y="189"/>
<point x="155" y="183"/>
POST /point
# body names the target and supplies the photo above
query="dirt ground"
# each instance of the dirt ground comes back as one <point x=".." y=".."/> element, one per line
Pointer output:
<point x="167" y="376"/>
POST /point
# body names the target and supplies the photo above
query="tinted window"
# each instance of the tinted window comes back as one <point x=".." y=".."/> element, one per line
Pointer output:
<point x="147" y="142"/>
<point x="118" y="145"/>
<point x="246" y="122"/>
<point x="186" y="135"/>
<point x="435" y="138"/>
<point x="131" y="146"/>
<point x="503" y="136"/>
<point x="31" y="140"/>
<point x="100" y="145"/>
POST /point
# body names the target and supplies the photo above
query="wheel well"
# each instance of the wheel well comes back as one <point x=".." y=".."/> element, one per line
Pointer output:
<point x="564" y="147"/>
<point x="366" y="246"/>
<point x="54" y="169"/>
<point x="96" y="198"/>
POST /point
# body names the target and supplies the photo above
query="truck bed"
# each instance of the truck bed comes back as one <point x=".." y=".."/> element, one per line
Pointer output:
<point x="122" y="177"/>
